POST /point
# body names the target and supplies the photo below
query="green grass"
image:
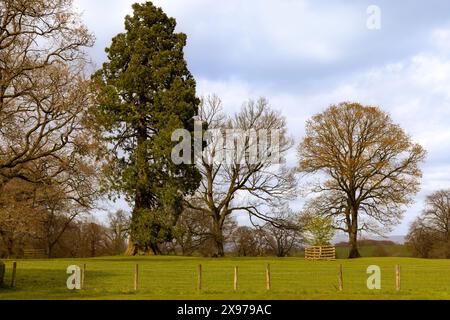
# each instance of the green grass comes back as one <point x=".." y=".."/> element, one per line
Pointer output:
<point x="169" y="277"/>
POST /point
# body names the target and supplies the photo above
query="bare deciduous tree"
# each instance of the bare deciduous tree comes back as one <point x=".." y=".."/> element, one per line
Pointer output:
<point x="369" y="164"/>
<point x="242" y="173"/>
<point x="437" y="214"/>
<point x="19" y="217"/>
<point x="44" y="210"/>
<point x="421" y="239"/>
<point x="194" y="232"/>
<point x="118" y="225"/>
<point x="43" y="91"/>
<point x="249" y="242"/>
<point x="429" y="235"/>
<point x="284" y="232"/>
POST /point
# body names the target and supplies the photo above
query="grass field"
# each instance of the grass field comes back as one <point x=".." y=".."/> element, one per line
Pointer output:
<point x="176" y="277"/>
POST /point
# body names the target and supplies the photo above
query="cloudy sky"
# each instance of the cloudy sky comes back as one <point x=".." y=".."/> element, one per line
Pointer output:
<point x="305" y="55"/>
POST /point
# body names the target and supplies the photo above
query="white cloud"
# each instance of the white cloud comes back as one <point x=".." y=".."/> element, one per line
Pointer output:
<point x="415" y="91"/>
<point x="105" y="18"/>
<point x="440" y="38"/>
<point x="287" y="28"/>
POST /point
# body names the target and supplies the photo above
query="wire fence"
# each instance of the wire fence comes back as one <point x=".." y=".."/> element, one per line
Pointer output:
<point x="217" y="277"/>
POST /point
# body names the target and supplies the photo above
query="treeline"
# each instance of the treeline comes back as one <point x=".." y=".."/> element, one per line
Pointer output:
<point x="193" y="236"/>
<point x="61" y="236"/>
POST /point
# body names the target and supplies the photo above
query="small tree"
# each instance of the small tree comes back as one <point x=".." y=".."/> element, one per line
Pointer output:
<point x="369" y="165"/>
<point x="317" y="230"/>
<point x="118" y="231"/>
<point x="421" y="239"/>
<point x="284" y="232"/>
<point x="429" y="235"/>
<point x="246" y="242"/>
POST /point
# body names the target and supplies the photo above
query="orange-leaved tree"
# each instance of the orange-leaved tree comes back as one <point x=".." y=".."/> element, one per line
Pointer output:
<point x="367" y="168"/>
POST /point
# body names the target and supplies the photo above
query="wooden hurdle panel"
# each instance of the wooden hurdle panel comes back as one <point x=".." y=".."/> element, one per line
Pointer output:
<point x="320" y="253"/>
<point x="34" y="253"/>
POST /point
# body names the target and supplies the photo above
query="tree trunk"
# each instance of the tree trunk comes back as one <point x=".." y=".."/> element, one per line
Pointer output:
<point x="280" y="251"/>
<point x="10" y="248"/>
<point x="218" y="239"/>
<point x="49" y="251"/>
<point x="50" y="247"/>
<point x="93" y="249"/>
<point x="353" y="241"/>
<point x="132" y="249"/>
<point x="353" y="232"/>
<point x="447" y="245"/>
<point x="2" y="273"/>
<point x="142" y="198"/>
<point x="220" y="248"/>
<point x="153" y="250"/>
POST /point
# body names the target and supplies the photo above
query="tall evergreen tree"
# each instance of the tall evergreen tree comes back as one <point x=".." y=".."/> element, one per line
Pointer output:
<point x="144" y="92"/>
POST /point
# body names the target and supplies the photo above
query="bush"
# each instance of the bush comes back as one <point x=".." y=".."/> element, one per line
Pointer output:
<point x="380" y="251"/>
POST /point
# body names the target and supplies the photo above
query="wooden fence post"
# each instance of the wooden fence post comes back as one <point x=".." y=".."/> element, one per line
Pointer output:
<point x="268" y="277"/>
<point x="136" y="277"/>
<point x="397" y="278"/>
<point x="199" y="277"/>
<point x="341" y="278"/>
<point x="13" y="277"/>
<point x="236" y="278"/>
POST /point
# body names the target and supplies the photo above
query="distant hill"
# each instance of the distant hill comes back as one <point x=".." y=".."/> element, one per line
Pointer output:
<point x="376" y="247"/>
<point x="395" y="238"/>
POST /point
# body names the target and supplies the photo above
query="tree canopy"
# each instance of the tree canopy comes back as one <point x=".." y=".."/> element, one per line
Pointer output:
<point x="368" y="165"/>
<point x="243" y="166"/>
